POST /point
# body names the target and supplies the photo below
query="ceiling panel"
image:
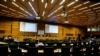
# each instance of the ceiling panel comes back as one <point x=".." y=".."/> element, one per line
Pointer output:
<point x="76" y="12"/>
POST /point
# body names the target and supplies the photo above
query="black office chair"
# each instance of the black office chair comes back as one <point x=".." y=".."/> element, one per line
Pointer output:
<point x="76" y="51"/>
<point x="48" y="51"/>
<point x="16" y="52"/>
<point x="89" y="50"/>
<point x="32" y="51"/>
<point x="3" y="50"/>
<point x="96" y="50"/>
<point x="65" y="51"/>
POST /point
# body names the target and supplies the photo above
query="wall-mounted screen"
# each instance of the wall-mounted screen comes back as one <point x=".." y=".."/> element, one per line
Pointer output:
<point x="51" y="28"/>
<point x="28" y="27"/>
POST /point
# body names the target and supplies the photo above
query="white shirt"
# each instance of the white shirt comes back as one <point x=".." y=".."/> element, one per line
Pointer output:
<point x="39" y="44"/>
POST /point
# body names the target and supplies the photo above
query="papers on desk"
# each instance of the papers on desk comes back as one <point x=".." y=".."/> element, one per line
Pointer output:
<point x="3" y="43"/>
<point x="24" y="51"/>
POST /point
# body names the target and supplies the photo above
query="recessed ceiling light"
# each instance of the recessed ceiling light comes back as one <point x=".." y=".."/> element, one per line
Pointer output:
<point x="52" y="1"/>
<point x="46" y="5"/>
<point x="86" y="2"/>
<point x="71" y="3"/>
<point x="55" y="11"/>
<point x="14" y="0"/>
<point x="96" y="8"/>
<point x="21" y="8"/>
<point x="86" y="10"/>
<point x="83" y="8"/>
<point x="62" y="2"/>
<point x="5" y="0"/>
<point x="76" y="0"/>
<point x="23" y="0"/>
<point x="33" y="8"/>
<point x="32" y="0"/>
<point x="78" y="6"/>
<point x="71" y="10"/>
<point x="43" y="13"/>
<point x="42" y="1"/>
<point x="3" y="6"/>
<point x="95" y="4"/>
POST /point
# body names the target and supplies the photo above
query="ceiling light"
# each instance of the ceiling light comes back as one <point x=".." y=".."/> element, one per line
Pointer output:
<point x="96" y="8"/>
<point x="95" y="4"/>
<point x="32" y="0"/>
<point x="15" y="4"/>
<point x="33" y="8"/>
<point x="23" y="0"/>
<point x="52" y="1"/>
<point x="14" y="0"/>
<point x="5" y="0"/>
<point x="83" y="8"/>
<point x="86" y="10"/>
<point x="43" y="13"/>
<point x="45" y="5"/>
<point x="55" y="11"/>
<point x="42" y="1"/>
<point x="71" y="10"/>
<point x="76" y="0"/>
<point x="71" y="3"/>
<point x="78" y="6"/>
<point x="86" y="2"/>
<point x="12" y="9"/>
<point x="21" y="8"/>
<point x="62" y="2"/>
<point x="3" y="6"/>
<point x="5" y="11"/>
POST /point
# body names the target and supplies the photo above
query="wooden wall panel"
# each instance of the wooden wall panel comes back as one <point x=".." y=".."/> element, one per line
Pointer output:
<point x="12" y="28"/>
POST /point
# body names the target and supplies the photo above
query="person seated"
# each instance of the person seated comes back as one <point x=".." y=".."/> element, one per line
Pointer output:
<point x="39" y="44"/>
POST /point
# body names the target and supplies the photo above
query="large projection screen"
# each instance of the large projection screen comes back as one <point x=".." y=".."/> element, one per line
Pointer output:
<point x="51" y="28"/>
<point x="28" y="27"/>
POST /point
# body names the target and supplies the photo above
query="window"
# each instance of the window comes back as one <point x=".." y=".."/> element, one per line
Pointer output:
<point x="51" y="28"/>
<point x="28" y="27"/>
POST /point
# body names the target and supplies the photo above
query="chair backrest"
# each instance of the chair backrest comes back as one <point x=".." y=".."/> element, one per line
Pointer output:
<point x="48" y="51"/>
<point x="32" y="51"/>
<point x="16" y="52"/>
<point x="3" y="50"/>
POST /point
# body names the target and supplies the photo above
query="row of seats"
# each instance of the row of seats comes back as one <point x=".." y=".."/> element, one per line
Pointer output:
<point x="63" y="49"/>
